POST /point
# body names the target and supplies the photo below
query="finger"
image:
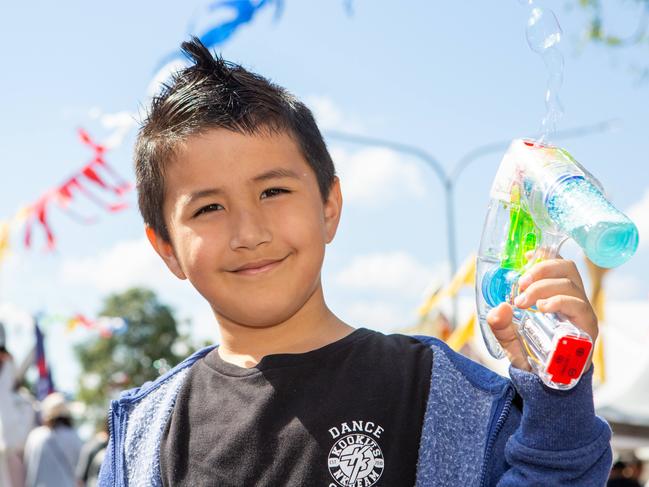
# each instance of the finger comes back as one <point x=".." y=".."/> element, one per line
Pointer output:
<point x="546" y="288"/>
<point x="576" y="310"/>
<point x="549" y="269"/>
<point x="541" y="253"/>
<point x="500" y="317"/>
<point x="500" y="322"/>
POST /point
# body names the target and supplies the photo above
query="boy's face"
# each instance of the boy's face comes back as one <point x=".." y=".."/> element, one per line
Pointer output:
<point x="247" y="223"/>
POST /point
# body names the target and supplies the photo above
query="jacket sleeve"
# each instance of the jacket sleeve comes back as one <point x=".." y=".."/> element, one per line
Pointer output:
<point x="552" y="438"/>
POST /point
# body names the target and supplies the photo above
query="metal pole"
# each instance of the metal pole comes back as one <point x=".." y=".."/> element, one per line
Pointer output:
<point x="395" y="146"/>
<point x="452" y="247"/>
<point x="448" y="179"/>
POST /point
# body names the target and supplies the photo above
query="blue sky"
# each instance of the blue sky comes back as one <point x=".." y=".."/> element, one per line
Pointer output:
<point x="445" y="77"/>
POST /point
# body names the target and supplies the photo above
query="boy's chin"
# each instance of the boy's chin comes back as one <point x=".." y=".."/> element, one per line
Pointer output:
<point x="259" y="320"/>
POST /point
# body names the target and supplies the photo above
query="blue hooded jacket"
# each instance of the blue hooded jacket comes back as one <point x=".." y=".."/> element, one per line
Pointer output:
<point x="477" y="431"/>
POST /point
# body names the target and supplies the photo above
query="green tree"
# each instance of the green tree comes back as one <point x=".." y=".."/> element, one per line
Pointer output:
<point x="597" y="30"/>
<point x="149" y="345"/>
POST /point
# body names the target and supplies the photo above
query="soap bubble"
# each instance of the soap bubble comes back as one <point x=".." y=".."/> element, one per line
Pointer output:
<point x="543" y="34"/>
<point x="543" y="30"/>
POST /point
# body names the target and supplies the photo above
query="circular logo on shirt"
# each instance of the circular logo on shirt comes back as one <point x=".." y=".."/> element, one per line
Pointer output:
<point x="356" y="458"/>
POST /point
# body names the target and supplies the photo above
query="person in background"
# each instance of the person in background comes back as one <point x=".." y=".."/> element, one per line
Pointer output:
<point x="16" y="420"/>
<point x="91" y="458"/>
<point x="636" y="467"/>
<point x="625" y="474"/>
<point x="52" y="450"/>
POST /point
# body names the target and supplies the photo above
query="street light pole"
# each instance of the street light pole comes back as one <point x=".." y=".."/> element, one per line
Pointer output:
<point x="448" y="179"/>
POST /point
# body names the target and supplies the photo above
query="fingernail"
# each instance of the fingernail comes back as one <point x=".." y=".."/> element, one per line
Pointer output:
<point x="524" y="281"/>
<point x="520" y="299"/>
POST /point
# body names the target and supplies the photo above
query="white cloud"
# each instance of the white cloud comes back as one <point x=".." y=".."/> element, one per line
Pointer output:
<point x="11" y="315"/>
<point x="119" y="125"/>
<point x="134" y="263"/>
<point x="163" y="75"/>
<point x="639" y="213"/>
<point x="377" y="315"/>
<point x="329" y="116"/>
<point x="19" y="329"/>
<point x="128" y="263"/>
<point x="372" y="175"/>
<point x="375" y="176"/>
<point x="391" y="271"/>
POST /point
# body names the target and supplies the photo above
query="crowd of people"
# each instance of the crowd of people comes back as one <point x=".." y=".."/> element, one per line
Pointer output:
<point x="626" y="473"/>
<point x="39" y="445"/>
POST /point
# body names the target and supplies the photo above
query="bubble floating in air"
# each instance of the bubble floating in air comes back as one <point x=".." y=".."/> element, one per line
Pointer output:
<point x="543" y="34"/>
<point x="543" y="30"/>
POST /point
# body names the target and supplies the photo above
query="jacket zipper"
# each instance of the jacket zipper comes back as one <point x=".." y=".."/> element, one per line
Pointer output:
<point x="113" y="422"/>
<point x="116" y="421"/>
<point x="492" y="439"/>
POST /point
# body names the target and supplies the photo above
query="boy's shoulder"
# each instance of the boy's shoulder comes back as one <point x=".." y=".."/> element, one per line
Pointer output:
<point x="138" y="393"/>
<point x="471" y="371"/>
<point x="445" y="361"/>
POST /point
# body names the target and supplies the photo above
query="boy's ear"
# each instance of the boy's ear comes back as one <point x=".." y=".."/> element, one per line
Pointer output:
<point x="166" y="251"/>
<point x="332" y="209"/>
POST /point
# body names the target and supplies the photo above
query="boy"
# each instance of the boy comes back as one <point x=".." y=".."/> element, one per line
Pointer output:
<point x="240" y="197"/>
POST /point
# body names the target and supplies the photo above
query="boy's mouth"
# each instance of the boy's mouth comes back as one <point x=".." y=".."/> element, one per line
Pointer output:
<point x="258" y="266"/>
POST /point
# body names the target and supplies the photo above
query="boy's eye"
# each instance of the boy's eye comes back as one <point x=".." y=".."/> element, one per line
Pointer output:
<point x="208" y="208"/>
<point x="270" y="192"/>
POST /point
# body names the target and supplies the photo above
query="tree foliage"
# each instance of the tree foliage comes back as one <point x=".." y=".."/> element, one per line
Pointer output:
<point x="631" y="38"/>
<point x="149" y="345"/>
<point x="597" y="29"/>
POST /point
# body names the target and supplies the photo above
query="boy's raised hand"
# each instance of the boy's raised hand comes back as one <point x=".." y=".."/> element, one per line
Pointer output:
<point x="555" y="286"/>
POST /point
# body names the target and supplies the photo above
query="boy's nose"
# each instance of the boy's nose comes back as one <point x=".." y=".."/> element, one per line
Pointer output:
<point x="249" y="230"/>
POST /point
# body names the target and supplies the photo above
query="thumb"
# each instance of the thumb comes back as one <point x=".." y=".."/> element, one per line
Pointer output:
<point x="499" y="319"/>
<point x="500" y="322"/>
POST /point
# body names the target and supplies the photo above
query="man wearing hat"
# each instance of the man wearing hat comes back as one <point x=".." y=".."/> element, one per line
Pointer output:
<point x="52" y="450"/>
<point x="16" y="420"/>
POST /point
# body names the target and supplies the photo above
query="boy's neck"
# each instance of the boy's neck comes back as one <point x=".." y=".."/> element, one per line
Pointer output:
<point x="312" y="327"/>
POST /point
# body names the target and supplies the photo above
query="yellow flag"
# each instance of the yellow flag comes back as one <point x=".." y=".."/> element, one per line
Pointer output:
<point x="465" y="276"/>
<point x="598" y="353"/>
<point x="598" y="300"/>
<point x="5" y="229"/>
<point x="462" y="334"/>
<point x="4" y="240"/>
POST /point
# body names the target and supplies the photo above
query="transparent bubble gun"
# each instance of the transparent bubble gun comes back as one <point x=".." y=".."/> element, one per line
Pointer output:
<point x="540" y="197"/>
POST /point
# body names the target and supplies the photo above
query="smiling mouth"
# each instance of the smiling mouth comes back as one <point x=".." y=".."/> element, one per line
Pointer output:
<point x="259" y="267"/>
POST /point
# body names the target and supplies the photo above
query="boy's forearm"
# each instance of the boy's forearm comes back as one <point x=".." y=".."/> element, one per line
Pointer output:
<point x="559" y="440"/>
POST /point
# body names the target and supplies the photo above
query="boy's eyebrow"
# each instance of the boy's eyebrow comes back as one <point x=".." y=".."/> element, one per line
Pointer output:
<point x="276" y="173"/>
<point x="265" y="176"/>
<point x="203" y="193"/>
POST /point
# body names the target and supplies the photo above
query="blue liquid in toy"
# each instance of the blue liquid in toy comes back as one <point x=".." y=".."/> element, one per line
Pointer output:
<point x="580" y="210"/>
<point x="497" y="285"/>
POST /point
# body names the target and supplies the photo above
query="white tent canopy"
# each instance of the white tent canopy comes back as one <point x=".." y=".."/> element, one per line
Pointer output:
<point x="624" y="396"/>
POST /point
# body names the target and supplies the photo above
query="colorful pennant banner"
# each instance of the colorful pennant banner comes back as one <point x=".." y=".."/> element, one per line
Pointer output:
<point x="105" y="326"/>
<point x="94" y="176"/>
